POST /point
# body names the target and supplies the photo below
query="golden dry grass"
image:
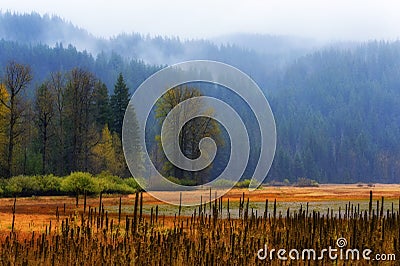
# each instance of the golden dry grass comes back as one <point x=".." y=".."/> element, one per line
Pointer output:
<point x="33" y="214"/>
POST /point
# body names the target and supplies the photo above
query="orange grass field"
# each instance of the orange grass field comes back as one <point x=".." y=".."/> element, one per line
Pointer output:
<point x="35" y="213"/>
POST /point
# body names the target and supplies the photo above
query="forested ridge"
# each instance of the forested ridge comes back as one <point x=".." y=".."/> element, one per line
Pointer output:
<point x="337" y="108"/>
<point x="338" y="115"/>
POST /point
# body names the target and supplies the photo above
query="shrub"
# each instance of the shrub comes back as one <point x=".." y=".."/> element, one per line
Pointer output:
<point x="187" y="182"/>
<point x="80" y="182"/>
<point x="174" y="180"/>
<point x="12" y="187"/>
<point x="274" y="183"/>
<point x="109" y="183"/>
<point x="21" y="186"/>
<point x="306" y="182"/>
<point x="243" y="184"/>
<point x="48" y="185"/>
<point x="131" y="182"/>
<point x="74" y="184"/>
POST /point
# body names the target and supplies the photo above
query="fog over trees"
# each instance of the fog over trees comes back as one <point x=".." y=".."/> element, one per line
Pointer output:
<point x="337" y="107"/>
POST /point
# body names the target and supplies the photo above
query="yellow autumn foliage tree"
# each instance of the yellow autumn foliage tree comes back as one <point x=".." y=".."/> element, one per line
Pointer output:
<point x="190" y="134"/>
<point x="106" y="154"/>
<point x="4" y="113"/>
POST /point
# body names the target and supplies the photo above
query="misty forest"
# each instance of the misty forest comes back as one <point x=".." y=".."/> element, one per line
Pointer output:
<point x="84" y="131"/>
<point x="64" y="92"/>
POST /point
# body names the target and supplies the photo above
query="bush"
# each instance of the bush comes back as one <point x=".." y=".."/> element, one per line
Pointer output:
<point x="22" y="186"/>
<point x="74" y="184"/>
<point x="174" y="180"/>
<point x="48" y="185"/>
<point x="306" y="182"/>
<point x="31" y="185"/>
<point x="274" y="183"/>
<point x="243" y="184"/>
<point x="79" y="183"/>
<point x="13" y="186"/>
<point x="187" y="182"/>
<point x="131" y="182"/>
<point x="109" y="183"/>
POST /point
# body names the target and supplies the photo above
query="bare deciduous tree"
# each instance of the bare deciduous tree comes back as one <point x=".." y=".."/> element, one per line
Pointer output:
<point x="16" y="79"/>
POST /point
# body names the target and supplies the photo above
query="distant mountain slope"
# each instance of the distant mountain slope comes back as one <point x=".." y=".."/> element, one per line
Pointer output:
<point x="276" y="45"/>
<point x="36" y="29"/>
<point x="338" y="115"/>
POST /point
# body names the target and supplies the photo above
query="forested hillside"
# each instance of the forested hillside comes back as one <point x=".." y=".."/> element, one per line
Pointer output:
<point x="337" y="109"/>
<point x="36" y="29"/>
<point x="44" y="60"/>
<point x="117" y="53"/>
<point x="338" y="115"/>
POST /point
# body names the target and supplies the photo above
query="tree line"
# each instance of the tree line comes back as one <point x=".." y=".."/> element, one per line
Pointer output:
<point x="71" y="123"/>
<point x="336" y="110"/>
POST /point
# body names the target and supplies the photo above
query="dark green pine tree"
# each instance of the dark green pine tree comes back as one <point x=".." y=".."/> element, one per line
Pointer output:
<point x="102" y="107"/>
<point x="119" y="103"/>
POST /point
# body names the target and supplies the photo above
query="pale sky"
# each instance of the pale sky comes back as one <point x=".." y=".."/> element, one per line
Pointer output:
<point x="321" y="19"/>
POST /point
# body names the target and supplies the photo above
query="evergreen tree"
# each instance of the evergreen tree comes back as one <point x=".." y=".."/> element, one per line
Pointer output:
<point x="119" y="103"/>
<point x="102" y="111"/>
<point x="132" y="139"/>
